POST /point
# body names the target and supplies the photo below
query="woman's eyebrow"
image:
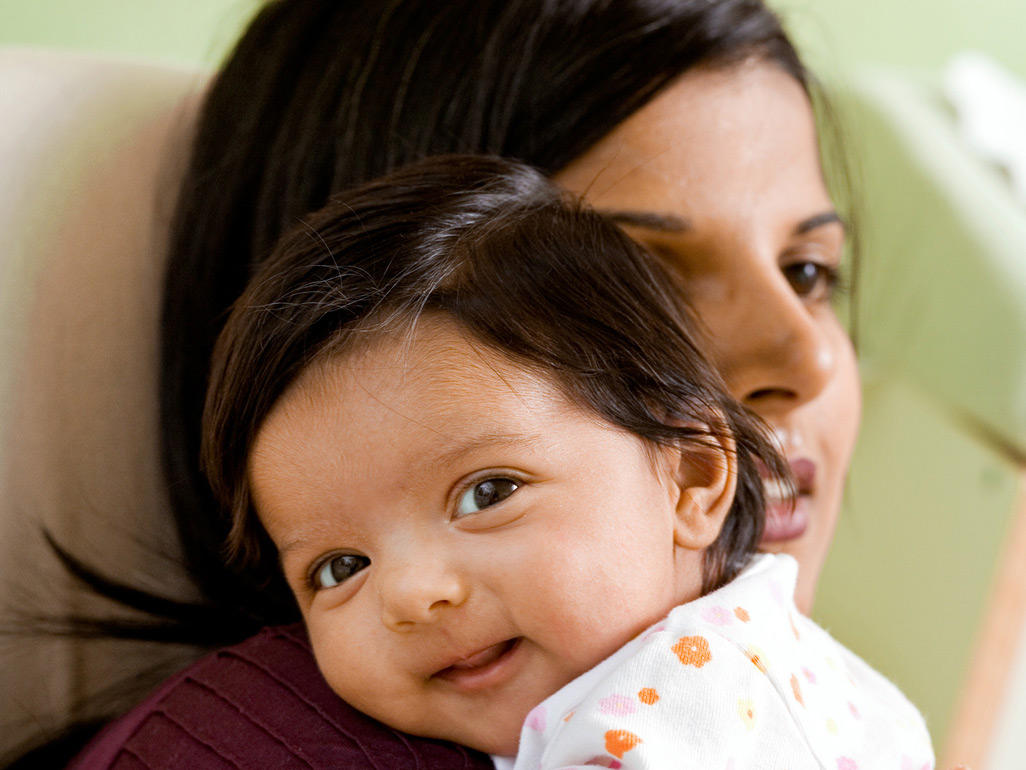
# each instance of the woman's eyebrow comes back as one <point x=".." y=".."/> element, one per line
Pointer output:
<point x="671" y="223"/>
<point x="826" y="218"/>
<point x="650" y="220"/>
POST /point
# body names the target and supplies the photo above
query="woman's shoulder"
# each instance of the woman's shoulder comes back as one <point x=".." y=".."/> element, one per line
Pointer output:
<point x="260" y="703"/>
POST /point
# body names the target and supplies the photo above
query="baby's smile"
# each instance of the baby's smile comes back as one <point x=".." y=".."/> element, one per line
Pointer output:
<point x="488" y="667"/>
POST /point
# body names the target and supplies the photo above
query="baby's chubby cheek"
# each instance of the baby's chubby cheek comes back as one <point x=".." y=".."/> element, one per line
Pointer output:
<point x="389" y="686"/>
<point x="592" y="617"/>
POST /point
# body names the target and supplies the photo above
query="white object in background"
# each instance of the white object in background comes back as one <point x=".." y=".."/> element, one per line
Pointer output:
<point x="1008" y="744"/>
<point x="990" y="103"/>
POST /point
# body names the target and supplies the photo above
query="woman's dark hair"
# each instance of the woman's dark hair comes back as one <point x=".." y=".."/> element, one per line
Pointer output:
<point x="519" y="266"/>
<point x="320" y="95"/>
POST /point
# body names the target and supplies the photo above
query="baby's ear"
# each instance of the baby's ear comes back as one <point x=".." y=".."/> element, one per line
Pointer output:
<point x="706" y="479"/>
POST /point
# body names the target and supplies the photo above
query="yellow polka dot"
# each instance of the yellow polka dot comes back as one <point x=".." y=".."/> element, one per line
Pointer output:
<point x="758" y="658"/>
<point x="746" y="710"/>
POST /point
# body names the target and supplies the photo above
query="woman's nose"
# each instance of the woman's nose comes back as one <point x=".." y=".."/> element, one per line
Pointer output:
<point x="415" y="594"/>
<point x="775" y="351"/>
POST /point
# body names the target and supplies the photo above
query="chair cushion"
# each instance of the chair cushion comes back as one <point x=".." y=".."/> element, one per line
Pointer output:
<point x="90" y="152"/>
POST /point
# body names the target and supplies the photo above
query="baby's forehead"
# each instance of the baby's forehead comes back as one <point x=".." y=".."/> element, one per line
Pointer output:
<point x="433" y="380"/>
<point x="398" y="414"/>
<point x="433" y="355"/>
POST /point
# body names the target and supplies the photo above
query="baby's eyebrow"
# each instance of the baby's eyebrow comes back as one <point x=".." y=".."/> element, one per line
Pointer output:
<point x="453" y="449"/>
<point x="291" y="545"/>
<point x="458" y="447"/>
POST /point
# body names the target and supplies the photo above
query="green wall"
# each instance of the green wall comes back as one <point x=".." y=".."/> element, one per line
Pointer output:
<point x="839" y="34"/>
<point x="836" y="33"/>
<point x="178" y="31"/>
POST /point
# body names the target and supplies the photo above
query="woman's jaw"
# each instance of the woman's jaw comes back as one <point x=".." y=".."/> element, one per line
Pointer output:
<point x="803" y="526"/>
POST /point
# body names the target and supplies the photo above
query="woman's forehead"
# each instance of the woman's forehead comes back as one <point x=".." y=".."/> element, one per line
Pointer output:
<point x="714" y="140"/>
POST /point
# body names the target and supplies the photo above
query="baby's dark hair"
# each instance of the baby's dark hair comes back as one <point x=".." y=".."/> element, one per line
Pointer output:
<point x="520" y="266"/>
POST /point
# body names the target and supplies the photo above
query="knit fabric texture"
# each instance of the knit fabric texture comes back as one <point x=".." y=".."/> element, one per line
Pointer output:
<point x="260" y="704"/>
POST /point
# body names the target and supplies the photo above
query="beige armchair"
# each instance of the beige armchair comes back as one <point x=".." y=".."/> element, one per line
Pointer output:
<point x="89" y="153"/>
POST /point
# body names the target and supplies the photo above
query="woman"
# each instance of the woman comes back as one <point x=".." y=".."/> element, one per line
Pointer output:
<point x="680" y="112"/>
<point x="687" y="120"/>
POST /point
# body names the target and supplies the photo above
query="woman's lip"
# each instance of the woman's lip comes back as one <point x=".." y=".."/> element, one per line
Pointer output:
<point x="482" y="669"/>
<point x="788" y="519"/>
<point x="785" y="520"/>
<point x="804" y="472"/>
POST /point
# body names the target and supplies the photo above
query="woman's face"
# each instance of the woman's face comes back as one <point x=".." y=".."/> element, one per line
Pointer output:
<point x="720" y="175"/>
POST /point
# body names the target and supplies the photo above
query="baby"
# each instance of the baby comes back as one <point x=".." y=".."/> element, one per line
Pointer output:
<point x="517" y="508"/>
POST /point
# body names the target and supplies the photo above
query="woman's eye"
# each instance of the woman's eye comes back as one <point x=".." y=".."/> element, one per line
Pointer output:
<point x="811" y="280"/>
<point x="485" y="493"/>
<point x="338" y="569"/>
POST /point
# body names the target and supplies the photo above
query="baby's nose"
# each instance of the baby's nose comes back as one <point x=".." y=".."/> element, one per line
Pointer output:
<point x="413" y="595"/>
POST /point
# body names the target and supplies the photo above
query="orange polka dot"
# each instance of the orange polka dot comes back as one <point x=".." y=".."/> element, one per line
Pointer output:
<point x="796" y="689"/>
<point x="742" y="614"/>
<point x="619" y="742"/>
<point x="794" y="628"/>
<point x="692" y="651"/>
<point x="648" y="696"/>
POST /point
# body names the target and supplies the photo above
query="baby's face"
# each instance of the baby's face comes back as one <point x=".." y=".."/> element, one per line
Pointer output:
<point x="462" y="541"/>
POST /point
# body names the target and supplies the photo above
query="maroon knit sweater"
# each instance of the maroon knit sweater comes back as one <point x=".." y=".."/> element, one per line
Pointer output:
<point x="260" y="704"/>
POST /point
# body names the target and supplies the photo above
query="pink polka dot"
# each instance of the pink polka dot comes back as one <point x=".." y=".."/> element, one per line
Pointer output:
<point x="809" y="675"/>
<point x="845" y="763"/>
<point x="654" y="630"/>
<point x="536" y="719"/>
<point x="718" y="616"/>
<point x="617" y="705"/>
<point x="604" y="762"/>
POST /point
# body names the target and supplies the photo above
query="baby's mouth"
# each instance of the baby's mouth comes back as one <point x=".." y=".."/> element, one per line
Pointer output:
<point x="481" y="668"/>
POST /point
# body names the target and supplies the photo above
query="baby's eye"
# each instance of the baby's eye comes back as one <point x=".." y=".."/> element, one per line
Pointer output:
<point x="485" y="493"/>
<point x="812" y="280"/>
<point x="337" y="570"/>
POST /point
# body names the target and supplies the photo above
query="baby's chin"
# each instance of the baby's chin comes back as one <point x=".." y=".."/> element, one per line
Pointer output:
<point x="491" y="727"/>
<point x="498" y="739"/>
<point x="502" y="746"/>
